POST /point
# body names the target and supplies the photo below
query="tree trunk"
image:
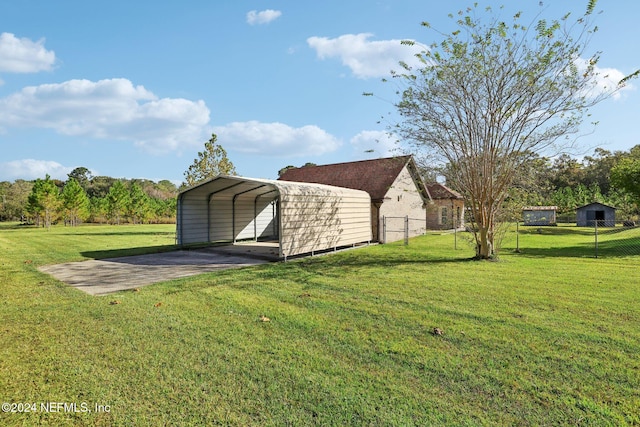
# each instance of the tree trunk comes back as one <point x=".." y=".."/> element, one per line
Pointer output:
<point x="484" y="249"/>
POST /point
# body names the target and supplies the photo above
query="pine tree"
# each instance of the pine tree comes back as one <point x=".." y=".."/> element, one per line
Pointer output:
<point x="118" y="200"/>
<point x="44" y="201"/>
<point x="140" y="204"/>
<point x="75" y="202"/>
<point x="210" y="163"/>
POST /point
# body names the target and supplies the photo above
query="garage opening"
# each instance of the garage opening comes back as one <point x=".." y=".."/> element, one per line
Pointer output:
<point x="596" y="217"/>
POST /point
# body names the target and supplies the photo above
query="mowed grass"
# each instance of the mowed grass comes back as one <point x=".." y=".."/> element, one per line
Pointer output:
<point x="538" y="338"/>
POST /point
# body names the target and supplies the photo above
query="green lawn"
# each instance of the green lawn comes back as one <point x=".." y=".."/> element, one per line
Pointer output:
<point x="544" y="337"/>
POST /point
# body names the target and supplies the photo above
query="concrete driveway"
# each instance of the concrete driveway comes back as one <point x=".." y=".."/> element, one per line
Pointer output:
<point x="104" y="276"/>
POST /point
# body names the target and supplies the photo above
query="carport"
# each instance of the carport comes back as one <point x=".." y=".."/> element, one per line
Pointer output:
<point x="298" y="218"/>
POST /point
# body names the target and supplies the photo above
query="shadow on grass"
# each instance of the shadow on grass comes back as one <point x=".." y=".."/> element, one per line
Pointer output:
<point x="95" y="230"/>
<point x="617" y="230"/>
<point x="144" y="250"/>
<point x="565" y="252"/>
<point x="556" y="231"/>
<point x="573" y="230"/>
<point x="384" y="260"/>
<point x="116" y="253"/>
<point x="306" y="270"/>
<point x="128" y="233"/>
<point x="572" y="241"/>
<point x="16" y="226"/>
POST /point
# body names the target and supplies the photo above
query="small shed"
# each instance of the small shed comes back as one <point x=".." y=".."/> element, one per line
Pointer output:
<point x="596" y="214"/>
<point x="299" y="217"/>
<point x="539" y="215"/>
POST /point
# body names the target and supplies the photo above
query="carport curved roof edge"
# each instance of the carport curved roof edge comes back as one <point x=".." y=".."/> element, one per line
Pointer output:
<point x="234" y="186"/>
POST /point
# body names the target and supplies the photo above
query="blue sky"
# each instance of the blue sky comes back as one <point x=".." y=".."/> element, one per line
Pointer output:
<point x="133" y="89"/>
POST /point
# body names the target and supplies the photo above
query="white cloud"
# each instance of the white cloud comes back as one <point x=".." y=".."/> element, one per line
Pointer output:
<point x="605" y="80"/>
<point x="365" y="58"/>
<point x="377" y="143"/>
<point x="108" y="109"/>
<point x="23" y="55"/>
<point x="275" y="139"/>
<point x="31" y="169"/>
<point x="264" y="17"/>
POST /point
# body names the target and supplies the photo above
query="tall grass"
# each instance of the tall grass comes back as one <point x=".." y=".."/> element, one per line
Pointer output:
<point x="537" y="338"/>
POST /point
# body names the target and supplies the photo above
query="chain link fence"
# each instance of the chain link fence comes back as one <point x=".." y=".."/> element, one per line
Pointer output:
<point x="597" y="239"/>
<point x="394" y="228"/>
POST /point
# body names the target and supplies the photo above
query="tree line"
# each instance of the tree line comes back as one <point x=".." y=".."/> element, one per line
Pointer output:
<point x="85" y="198"/>
<point x="102" y="199"/>
<point x="608" y="177"/>
<point x="569" y="183"/>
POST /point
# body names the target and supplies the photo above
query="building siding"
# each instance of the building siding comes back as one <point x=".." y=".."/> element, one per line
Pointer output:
<point x="324" y="220"/>
<point x="445" y="214"/>
<point x="402" y="200"/>
<point x="538" y="216"/>
<point x="589" y="215"/>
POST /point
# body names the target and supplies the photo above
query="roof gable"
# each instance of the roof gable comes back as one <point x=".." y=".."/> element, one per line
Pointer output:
<point x="373" y="176"/>
<point x="594" y="204"/>
<point x="439" y="191"/>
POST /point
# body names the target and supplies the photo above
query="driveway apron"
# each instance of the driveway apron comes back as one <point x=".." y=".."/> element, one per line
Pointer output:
<point x="105" y="276"/>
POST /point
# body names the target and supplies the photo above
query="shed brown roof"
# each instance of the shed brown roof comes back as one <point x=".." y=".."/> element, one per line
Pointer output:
<point x="540" y="208"/>
<point x="439" y="191"/>
<point x="373" y="176"/>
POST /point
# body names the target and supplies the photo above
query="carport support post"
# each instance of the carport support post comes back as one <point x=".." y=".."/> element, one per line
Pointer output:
<point x="255" y="219"/>
<point x="233" y="219"/>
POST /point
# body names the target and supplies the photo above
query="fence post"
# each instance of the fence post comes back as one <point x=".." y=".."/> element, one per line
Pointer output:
<point x="596" y="234"/>
<point x="406" y="230"/>
<point x="455" y="233"/>
<point x="517" y="237"/>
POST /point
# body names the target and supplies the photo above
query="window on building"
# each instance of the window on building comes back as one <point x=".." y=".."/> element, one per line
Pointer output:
<point x="444" y="215"/>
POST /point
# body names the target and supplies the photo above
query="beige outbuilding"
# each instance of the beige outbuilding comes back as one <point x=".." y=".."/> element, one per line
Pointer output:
<point x="298" y="217"/>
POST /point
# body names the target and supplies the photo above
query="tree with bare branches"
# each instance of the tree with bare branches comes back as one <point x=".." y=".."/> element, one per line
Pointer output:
<point x="491" y="91"/>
